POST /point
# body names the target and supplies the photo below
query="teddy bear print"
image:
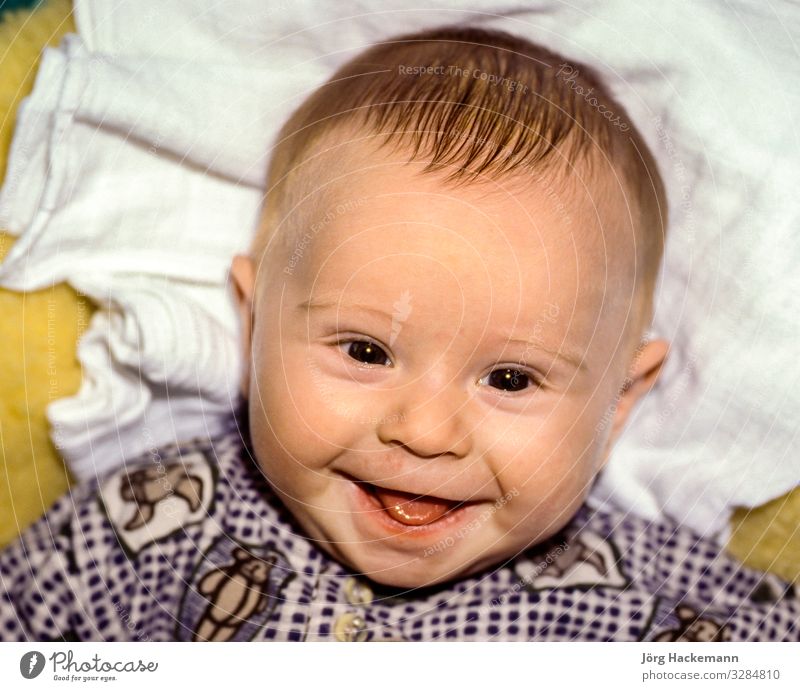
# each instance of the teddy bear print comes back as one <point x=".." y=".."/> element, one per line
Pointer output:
<point x="579" y="553"/>
<point x="586" y="560"/>
<point x="692" y="628"/>
<point x="235" y="593"/>
<point x="148" y="486"/>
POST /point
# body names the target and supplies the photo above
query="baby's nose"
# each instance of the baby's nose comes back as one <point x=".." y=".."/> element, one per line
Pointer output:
<point x="428" y="423"/>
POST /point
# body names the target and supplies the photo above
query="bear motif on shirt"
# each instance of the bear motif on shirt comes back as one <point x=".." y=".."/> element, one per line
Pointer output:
<point x="584" y="560"/>
<point x="233" y="591"/>
<point x="150" y="485"/>
<point x="693" y="628"/>
<point x="236" y="592"/>
<point x="580" y="553"/>
<point x="149" y="503"/>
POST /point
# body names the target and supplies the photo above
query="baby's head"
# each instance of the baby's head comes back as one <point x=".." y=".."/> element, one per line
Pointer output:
<point x="445" y="304"/>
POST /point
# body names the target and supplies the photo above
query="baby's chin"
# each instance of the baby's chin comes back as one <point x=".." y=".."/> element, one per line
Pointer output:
<point x="398" y="571"/>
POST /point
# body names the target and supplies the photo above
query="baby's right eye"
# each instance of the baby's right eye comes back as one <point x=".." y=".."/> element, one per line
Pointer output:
<point x="367" y="352"/>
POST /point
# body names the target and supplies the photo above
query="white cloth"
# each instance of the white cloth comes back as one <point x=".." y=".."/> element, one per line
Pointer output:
<point x="146" y="236"/>
<point x="135" y="170"/>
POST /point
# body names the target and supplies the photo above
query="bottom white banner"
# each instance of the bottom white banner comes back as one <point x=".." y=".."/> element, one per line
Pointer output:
<point x="401" y="666"/>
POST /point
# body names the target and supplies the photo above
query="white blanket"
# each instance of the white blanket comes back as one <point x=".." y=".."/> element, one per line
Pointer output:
<point x="135" y="175"/>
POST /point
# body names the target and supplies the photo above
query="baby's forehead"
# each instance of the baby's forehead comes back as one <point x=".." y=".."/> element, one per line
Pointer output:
<point x="363" y="213"/>
<point x="502" y="249"/>
<point x="539" y="211"/>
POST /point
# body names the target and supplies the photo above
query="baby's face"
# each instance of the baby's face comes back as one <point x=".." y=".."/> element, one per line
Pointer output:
<point x="459" y="344"/>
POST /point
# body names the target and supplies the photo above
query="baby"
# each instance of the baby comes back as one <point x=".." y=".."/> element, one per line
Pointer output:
<point x="448" y="293"/>
<point x="444" y="314"/>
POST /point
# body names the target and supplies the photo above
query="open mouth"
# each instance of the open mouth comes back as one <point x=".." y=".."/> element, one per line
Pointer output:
<point x="408" y="508"/>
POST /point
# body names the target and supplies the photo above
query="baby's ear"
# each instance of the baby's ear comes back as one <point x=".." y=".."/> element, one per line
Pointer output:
<point x="244" y="279"/>
<point x="642" y="375"/>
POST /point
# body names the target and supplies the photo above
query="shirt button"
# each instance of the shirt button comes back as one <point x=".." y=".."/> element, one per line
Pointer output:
<point x="350" y="627"/>
<point x="357" y="592"/>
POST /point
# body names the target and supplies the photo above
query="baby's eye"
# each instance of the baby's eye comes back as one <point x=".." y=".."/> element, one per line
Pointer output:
<point x="367" y="352"/>
<point x="508" y="379"/>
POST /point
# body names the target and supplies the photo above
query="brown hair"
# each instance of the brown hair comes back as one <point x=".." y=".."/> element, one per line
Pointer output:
<point x="474" y="103"/>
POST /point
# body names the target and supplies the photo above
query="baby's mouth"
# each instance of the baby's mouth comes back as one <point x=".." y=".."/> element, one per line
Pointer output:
<point x="408" y="508"/>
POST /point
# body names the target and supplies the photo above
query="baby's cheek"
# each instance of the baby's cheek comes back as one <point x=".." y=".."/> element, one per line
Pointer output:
<point x="289" y="423"/>
<point x="542" y="487"/>
<point x="300" y="415"/>
<point x="536" y="508"/>
<point x="546" y="474"/>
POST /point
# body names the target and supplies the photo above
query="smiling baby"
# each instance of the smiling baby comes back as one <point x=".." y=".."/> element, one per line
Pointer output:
<point x="444" y="315"/>
<point x="448" y="293"/>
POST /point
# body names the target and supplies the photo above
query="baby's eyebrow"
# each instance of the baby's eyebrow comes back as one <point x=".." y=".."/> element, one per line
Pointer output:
<point x="571" y="357"/>
<point x="329" y="304"/>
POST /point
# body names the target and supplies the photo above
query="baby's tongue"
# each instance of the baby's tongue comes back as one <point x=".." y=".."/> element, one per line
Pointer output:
<point x="410" y="509"/>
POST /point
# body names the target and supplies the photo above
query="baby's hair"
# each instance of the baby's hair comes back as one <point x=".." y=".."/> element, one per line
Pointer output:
<point x="474" y="104"/>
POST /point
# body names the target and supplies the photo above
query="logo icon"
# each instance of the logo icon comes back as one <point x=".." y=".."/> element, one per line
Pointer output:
<point x="31" y="664"/>
<point x="402" y="309"/>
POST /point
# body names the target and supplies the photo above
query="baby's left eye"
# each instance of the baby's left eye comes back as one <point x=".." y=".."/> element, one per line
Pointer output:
<point x="508" y="379"/>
